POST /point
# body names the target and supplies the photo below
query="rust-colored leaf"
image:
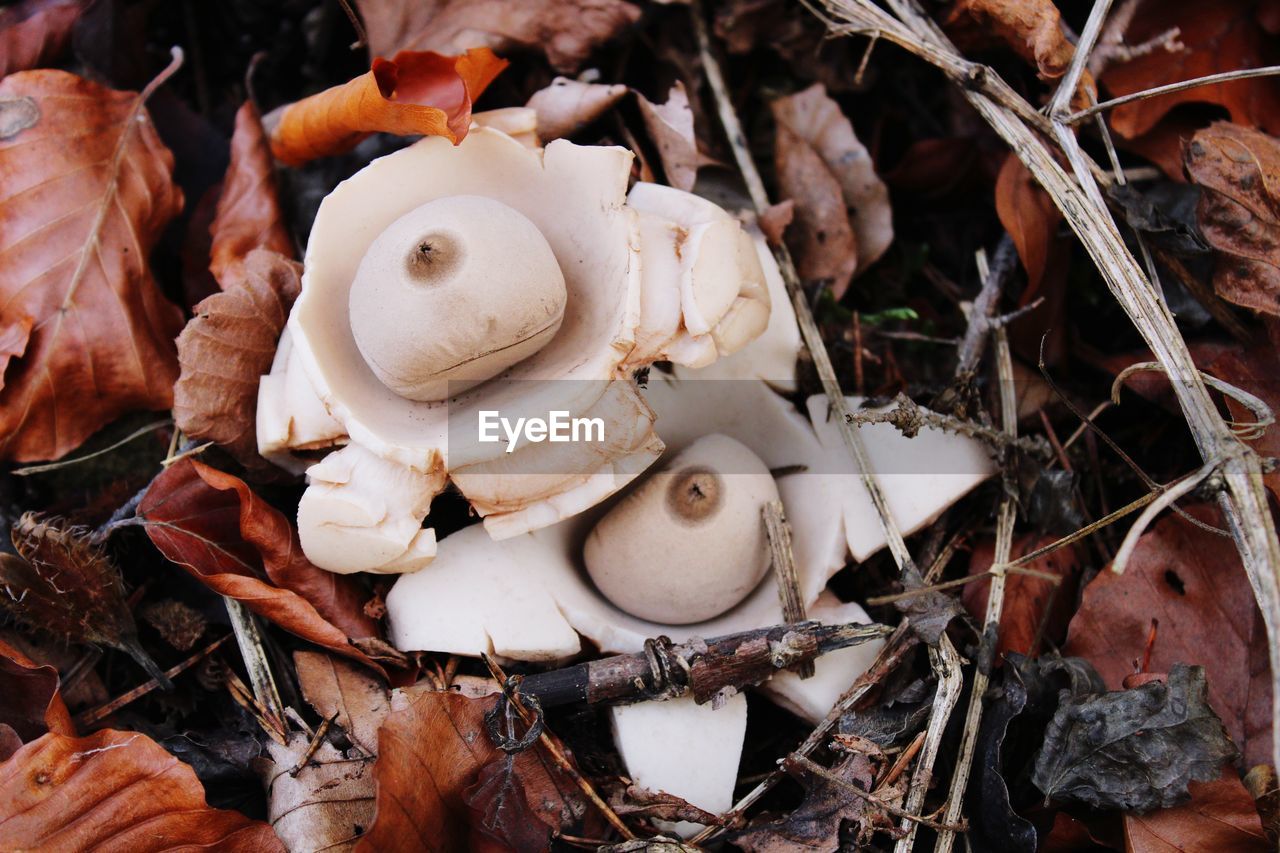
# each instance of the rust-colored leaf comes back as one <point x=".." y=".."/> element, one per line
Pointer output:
<point x="84" y="194"/>
<point x="1029" y="601"/>
<point x="114" y="791"/>
<point x="213" y="525"/>
<point x="1253" y="370"/>
<point x="1221" y="816"/>
<point x="30" y="702"/>
<point x="430" y="751"/>
<point x="1239" y="211"/>
<point x="34" y="32"/>
<point x="566" y="30"/>
<point x="1032" y="28"/>
<point x="226" y="348"/>
<point x="417" y="92"/>
<point x="1220" y="36"/>
<point x="248" y="215"/>
<point x="1193" y="584"/>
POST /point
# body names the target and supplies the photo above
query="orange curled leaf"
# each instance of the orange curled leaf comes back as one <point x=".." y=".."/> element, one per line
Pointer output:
<point x="416" y="92"/>
<point x="114" y="791"/>
<point x="30" y="701"/>
<point x="35" y="31"/>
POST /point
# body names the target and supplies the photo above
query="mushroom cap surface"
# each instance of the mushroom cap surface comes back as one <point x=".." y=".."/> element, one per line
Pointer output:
<point x="453" y="293"/>
<point x="688" y="544"/>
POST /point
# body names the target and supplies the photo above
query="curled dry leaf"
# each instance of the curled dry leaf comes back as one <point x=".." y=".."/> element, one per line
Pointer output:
<point x="1029" y="601"/>
<point x="1197" y="590"/>
<point x="30" y="702"/>
<point x="326" y="804"/>
<point x="1032" y="28"/>
<point x="822" y="236"/>
<point x="1220" y="816"/>
<point x="1220" y="36"/>
<point x="1239" y="211"/>
<point x="227" y="347"/>
<point x="349" y="695"/>
<point x="670" y="126"/>
<point x="114" y="791"/>
<point x="35" y="31"/>
<point x="65" y="585"/>
<point x="431" y="750"/>
<point x="566" y="30"/>
<point x="215" y="527"/>
<point x="417" y="92"/>
<point x="84" y="194"/>
<point x="816" y="119"/>
<point x="567" y="105"/>
<point x="248" y="215"/>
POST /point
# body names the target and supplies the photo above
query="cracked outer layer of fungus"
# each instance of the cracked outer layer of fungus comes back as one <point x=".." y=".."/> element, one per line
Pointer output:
<point x="437" y="282"/>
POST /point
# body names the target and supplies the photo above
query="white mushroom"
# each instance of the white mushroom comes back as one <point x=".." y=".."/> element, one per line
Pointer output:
<point x="453" y="293"/>
<point x="687" y="544"/>
<point x="373" y="347"/>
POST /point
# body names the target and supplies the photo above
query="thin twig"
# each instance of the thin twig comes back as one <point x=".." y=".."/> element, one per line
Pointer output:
<point x="63" y="463"/>
<point x="249" y="638"/>
<point x="316" y="740"/>
<point x="1207" y="80"/>
<point x="946" y="669"/>
<point x="878" y="600"/>
<point x="784" y="572"/>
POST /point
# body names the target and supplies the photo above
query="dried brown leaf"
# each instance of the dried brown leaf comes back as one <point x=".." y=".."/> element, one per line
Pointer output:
<point x="33" y="32"/>
<point x="1220" y="816"/>
<point x="114" y="791"/>
<point x="567" y="105"/>
<point x="349" y="695"/>
<point x="327" y="805"/>
<point x="816" y="118"/>
<point x="1239" y="211"/>
<point x="822" y="237"/>
<point x="84" y="194"/>
<point x="30" y="702"/>
<point x="1032" y="28"/>
<point x="1196" y="588"/>
<point x="670" y="127"/>
<point x="1220" y="36"/>
<point x="816" y="823"/>
<point x="431" y="750"/>
<point x="417" y="92"/>
<point x="248" y="215"/>
<point x="226" y="348"/>
<point x="1027" y="598"/>
<point x="566" y="30"/>
<point x="215" y="527"/>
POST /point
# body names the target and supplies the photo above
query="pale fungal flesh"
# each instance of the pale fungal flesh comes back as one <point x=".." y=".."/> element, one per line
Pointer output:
<point x="530" y="597"/>
<point x="687" y="544"/>
<point x="576" y="198"/>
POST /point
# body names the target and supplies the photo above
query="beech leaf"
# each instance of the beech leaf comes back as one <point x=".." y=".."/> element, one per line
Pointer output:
<point x="1239" y="211"/>
<point x="30" y="702"/>
<point x="1032" y="28"/>
<point x="566" y="30"/>
<point x="822" y="236"/>
<point x="417" y="92"/>
<point x="327" y="804"/>
<point x="248" y="215"/>
<point x="35" y="31"/>
<point x="214" y="526"/>
<point x="84" y="194"/>
<point x="567" y="105"/>
<point x="1220" y="816"/>
<point x="670" y="126"/>
<point x="1136" y="749"/>
<point x="1199" y="594"/>
<point x="227" y="347"/>
<point x="114" y="791"/>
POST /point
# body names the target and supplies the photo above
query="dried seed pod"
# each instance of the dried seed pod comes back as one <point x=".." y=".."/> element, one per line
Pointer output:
<point x="63" y="583"/>
<point x="181" y="626"/>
